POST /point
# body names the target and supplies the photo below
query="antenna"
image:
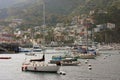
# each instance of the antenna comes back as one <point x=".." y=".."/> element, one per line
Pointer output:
<point x="43" y="13"/>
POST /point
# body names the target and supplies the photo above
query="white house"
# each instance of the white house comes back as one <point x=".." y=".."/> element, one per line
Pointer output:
<point x="110" y="25"/>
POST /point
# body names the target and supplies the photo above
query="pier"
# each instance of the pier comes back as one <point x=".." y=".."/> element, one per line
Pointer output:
<point x="9" y="47"/>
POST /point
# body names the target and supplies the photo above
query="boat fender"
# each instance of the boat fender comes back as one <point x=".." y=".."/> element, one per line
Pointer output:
<point x="22" y="68"/>
<point x="90" y="68"/>
<point x="86" y="62"/>
<point x="35" y="68"/>
<point x="62" y="73"/>
<point x="104" y="58"/>
<point x="58" y="63"/>
<point x="89" y="65"/>
<point x="25" y="68"/>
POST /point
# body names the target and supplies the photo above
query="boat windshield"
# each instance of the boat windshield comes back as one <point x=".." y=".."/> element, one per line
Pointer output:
<point x="36" y="47"/>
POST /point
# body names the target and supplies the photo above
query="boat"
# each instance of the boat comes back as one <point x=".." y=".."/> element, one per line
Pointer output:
<point x="39" y="65"/>
<point x="105" y="48"/>
<point x="30" y="54"/>
<point x="83" y="54"/>
<point x="36" y="49"/>
<point x="87" y="56"/>
<point x="5" y="57"/>
<point x="70" y="62"/>
<point x="60" y="57"/>
<point x="24" y="49"/>
<point x="66" y="60"/>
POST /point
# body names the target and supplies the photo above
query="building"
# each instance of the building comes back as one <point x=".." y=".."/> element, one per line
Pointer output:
<point x="110" y="25"/>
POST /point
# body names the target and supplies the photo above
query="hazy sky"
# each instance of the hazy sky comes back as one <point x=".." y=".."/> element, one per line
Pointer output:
<point x="7" y="3"/>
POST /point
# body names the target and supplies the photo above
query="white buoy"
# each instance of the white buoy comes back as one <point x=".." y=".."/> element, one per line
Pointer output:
<point x="86" y="62"/>
<point x="89" y="65"/>
<point x="90" y="68"/>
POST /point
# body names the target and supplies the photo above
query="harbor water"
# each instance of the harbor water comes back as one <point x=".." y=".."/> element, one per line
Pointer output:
<point x="104" y="67"/>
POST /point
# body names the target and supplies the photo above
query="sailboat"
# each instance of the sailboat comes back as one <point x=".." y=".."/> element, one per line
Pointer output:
<point x="39" y="65"/>
<point x="84" y="51"/>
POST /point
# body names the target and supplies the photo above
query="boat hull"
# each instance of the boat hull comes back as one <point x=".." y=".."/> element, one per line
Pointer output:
<point x="86" y="56"/>
<point x="74" y="63"/>
<point x="5" y="57"/>
<point x="44" y="68"/>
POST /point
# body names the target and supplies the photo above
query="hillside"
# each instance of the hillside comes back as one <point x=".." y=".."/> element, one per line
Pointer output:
<point x="56" y="10"/>
<point x="62" y="11"/>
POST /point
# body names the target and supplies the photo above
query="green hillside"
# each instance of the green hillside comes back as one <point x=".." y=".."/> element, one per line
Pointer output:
<point x="56" y="10"/>
<point x="62" y="11"/>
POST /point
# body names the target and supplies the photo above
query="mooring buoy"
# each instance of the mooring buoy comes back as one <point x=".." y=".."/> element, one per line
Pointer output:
<point x="62" y="73"/>
<point x="90" y="68"/>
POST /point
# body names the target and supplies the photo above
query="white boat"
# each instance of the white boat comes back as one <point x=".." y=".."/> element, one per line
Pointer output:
<point x="24" y="49"/>
<point x="39" y="65"/>
<point x="87" y="56"/>
<point x="36" y="49"/>
<point x="105" y="48"/>
<point x="70" y="62"/>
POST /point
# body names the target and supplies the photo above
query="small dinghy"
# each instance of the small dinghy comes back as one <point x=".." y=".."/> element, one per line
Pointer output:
<point x="5" y="57"/>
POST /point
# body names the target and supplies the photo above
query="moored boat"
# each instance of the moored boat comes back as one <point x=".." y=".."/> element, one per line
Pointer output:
<point x="30" y="54"/>
<point x="24" y="49"/>
<point x="39" y="65"/>
<point x="70" y="62"/>
<point x="36" y="49"/>
<point x="65" y="61"/>
<point x="86" y="56"/>
<point x="5" y="57"/>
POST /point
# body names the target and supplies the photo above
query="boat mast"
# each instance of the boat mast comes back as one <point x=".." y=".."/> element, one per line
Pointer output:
<point x="87" y="25"/>
<point x="44" y="24"/>
<point x="43" y="13"/>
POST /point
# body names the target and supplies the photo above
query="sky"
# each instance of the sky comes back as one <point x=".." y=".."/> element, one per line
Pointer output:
<point x="8" y="3"/>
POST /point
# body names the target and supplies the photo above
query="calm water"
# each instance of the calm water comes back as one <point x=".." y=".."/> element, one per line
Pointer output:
<point x="104" y="67"/>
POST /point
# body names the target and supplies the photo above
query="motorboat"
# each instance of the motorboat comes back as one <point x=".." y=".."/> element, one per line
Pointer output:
<point x="86" y="56"/>
<point x="36" y="49"/>
<point x="84" y="53"/>
<point x="65" y="61"/>
<point x="70" y="62"/>
<point x="105" y="48"/>
<point x="30" y="54"/>
<point x="5" y="57"/>
<point x="24" y="49"/>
